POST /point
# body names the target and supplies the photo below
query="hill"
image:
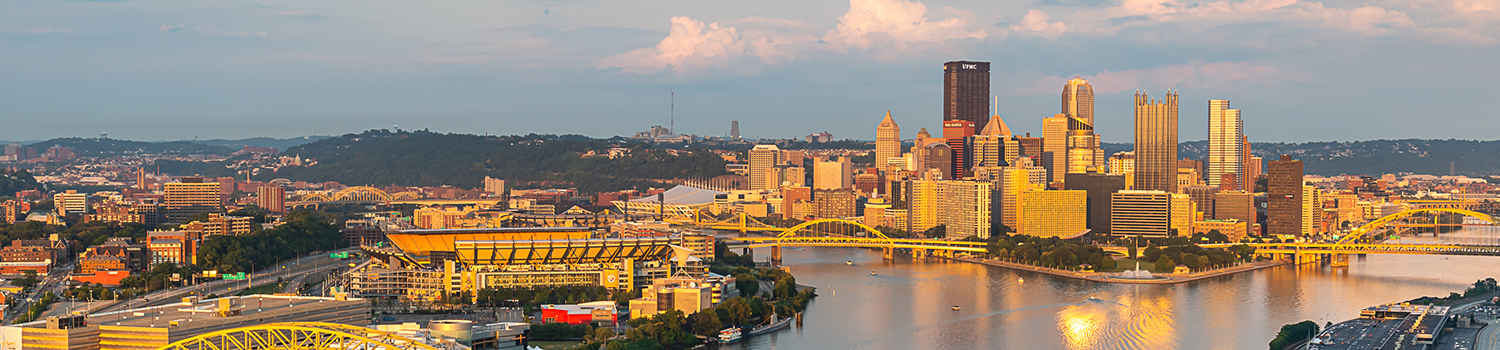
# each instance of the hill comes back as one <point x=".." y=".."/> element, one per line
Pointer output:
<point x="420" y="158"/>
<point x="12" y="182"/>
<point x="1469" y="157"/>
<point x="106" y="147"/>
<point x="280" y="144"/>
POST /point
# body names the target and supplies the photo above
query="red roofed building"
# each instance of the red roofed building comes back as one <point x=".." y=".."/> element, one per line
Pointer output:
<point x="592" y="312"/>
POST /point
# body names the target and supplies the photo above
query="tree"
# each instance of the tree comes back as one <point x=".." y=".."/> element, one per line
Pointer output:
<point x="1165" y="265"/>
<point x="706" y="323"/>
<point x="748" y="285"/>
<point x="1131" y="250"/>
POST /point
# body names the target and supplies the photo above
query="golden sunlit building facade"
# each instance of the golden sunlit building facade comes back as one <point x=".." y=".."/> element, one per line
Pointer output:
<point x="1056" y="213"/>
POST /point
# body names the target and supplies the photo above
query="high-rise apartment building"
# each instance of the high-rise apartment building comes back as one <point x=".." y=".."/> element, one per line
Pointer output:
<point x="1053" y="213"/>
<point x="763" y="157"/>
<point x="1284" y="197"/>
<point x="835" y="203"/>
<point x="964" y="207"/>
<point x="792" y="195"/>
<point x="1099" y="188"/>
<point x="493" y="185"/>
<point x="1078" y="100"/>
<point x="833" y="175"/>
<point x="1156" y="143"/>
<point x="924" y="203"/>
<point x="794" y="176"/>
<point x="1226" y="143"/>
<point x="966" y="91"/>
<point x="190" y="196"/>
<point x="272" y="198"/>
<point x="887" y="141"/>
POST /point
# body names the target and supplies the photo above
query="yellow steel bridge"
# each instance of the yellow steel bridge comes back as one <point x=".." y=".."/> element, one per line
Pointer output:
<point x="298" y="336"/>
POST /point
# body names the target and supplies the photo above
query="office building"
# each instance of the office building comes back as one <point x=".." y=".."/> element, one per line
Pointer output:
<point x="1055" y="147"/>
<point x="71" y="202"/>
<point x="1226" y="143"/>
<point x="1099" y="187"/>
<point x="190" y="196"/>
<point x="833" y="175"/>
<point x="1203" y="198"/>
<point x="763" y="157"/>
<point x="1078" y="100"/>
<point x="836" y="203"/>
<point x="1053" y="213"/>
<point x="273" y="198"/>
<point x="937" y="157"/>
<point x="1251" y="167"/>
<point x="1312" y="211"/>
<point x="794" y="176"/>
<point x="1284" y="197"/>
<point x="1235" y="205"/>
<point x="966" y="91"/>
<point x="1011" y="182"/>
<point x="875" y="211"/>
<point x="923" y="213"/>
<point x="1156" y="143"/>
<point x="1032" y="147"/>
<point x="1148" y="213"/>
<point x="1232" y="228"/>
<point x="1183" y="214"/>
<point x="956" y="133"/>
<point x="792" y="195"/>
<point x="887" y="141"/>
<point x="964" y="207"/>
<point x="993" y="146"/>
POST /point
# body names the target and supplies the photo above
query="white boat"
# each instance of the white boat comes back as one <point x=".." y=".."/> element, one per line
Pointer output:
<point x="1093" y="299"/>
<point x="729" y="335"/>
<point x="956" y="308"/>
<point x="872" y="273"/>
<point x="849" y="262"/>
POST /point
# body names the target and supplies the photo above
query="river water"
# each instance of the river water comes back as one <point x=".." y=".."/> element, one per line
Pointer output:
<point x="907" y="304"/>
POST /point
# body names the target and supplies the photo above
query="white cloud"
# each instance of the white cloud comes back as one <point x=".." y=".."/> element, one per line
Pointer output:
<point x="884" y="25"/>
<point x="299" y="13"/>
<point x="897" y="23"/>
<point x="1035" y="22"/>
<point x="1194" y="74"/>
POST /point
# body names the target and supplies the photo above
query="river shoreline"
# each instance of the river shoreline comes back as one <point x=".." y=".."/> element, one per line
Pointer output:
<point x="1107" y="277"/>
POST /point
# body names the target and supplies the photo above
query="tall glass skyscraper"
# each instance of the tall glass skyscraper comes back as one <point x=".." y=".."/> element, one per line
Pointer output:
<point x="887" y="141"/>
<point x="1226" y="145"/>
<point x="966" y="91"/>
<point x="1156" y="143"/>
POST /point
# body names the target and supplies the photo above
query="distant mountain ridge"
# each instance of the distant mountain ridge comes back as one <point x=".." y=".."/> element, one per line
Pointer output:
<point x="107" y="146"/>
<point x="1375" y="157"/>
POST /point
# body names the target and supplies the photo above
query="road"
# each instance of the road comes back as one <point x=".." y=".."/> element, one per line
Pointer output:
<point x="52" y="282"/>
<point x="290" y="269"/>
<point x="1489" y="338"/>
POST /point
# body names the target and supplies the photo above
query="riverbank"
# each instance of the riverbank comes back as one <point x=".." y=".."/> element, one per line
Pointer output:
<point x="1110" y="277"/>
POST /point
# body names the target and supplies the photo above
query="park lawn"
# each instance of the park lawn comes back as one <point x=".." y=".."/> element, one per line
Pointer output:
<point x="1125" y="264"/>
<point x="552" y="345"/>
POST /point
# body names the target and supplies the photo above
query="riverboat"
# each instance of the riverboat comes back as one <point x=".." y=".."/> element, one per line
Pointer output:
<point x="729" y="335"/>
<point x="774" y="325"/>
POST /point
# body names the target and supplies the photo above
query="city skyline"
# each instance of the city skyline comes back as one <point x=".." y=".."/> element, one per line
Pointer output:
<point x="462" y="68"/>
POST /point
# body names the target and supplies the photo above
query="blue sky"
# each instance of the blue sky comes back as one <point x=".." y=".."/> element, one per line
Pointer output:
<point x="1300" y="70"/>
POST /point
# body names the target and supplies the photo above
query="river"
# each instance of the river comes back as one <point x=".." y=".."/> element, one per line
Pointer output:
<point x="907" y="304"/>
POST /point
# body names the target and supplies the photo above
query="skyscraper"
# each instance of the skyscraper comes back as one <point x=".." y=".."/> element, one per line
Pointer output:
<point x="1284" y="197"/>
<point x="966" y="91"/>
<point x="734" y="129"/>
<point x="1099" y="188"/>
<point x="1053" y="213"/>
<point x="1078" y="100"/>
<point x="1252" y="168"/>
<point x="833" y="175"/>
<point x="993" y="146"/>
<point x="191" y="196"/>
<point x="1226" y="143"/>
<point x="763" y="157"/>
<point x="1156" y="143"/>
<point x="1055" y="146"/>
<point x="887" y="141"/>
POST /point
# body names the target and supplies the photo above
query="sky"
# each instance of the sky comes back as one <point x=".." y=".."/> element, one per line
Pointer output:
<point x="183" y="69"/>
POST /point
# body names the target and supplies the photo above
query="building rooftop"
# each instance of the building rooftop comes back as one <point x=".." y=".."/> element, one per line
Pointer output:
<point x="683" y="195"/>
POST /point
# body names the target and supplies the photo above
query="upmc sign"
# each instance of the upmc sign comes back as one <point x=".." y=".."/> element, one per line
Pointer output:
<point x="970" y="66"/>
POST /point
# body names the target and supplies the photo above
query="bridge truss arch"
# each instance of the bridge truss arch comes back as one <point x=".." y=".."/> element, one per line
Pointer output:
<point x="408" y="195"/>
<point x="362" y="194"/>
<point x="1363" y="230"/>
<point x="316" y="197"/>
<point x="299" y="336"/>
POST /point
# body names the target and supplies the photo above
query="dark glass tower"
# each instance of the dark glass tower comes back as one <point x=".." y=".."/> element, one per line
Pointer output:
<point x="966" y="90"/>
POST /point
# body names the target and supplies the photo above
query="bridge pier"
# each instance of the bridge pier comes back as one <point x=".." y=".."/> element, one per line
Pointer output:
<point x="889" y="253"/>
<point x="1340" y="260"/>
<point x="775" y="255"/>
<point x="918" y="254"/>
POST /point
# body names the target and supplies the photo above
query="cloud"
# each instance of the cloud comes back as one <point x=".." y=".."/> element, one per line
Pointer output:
<point x="884" y="25"/>
<point x="208" y="31"/>
<point x="1035" y="22"/>
<point x="1291" y="14"/>
<point x="1195" y="74"/>
<point x="897" y="23"/>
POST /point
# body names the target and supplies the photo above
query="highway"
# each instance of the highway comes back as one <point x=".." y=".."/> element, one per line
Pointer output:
<point x="52" y="282"/>
<point x="1489" y="338"/>
<point x="319" y="262"/>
